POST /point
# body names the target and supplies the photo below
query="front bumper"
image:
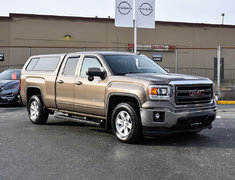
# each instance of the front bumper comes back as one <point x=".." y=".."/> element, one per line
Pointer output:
<point x="7" y="99"/>
<point x="177" y="120"/>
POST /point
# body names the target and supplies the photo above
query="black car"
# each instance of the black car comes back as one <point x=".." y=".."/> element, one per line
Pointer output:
<point x="9" y="86"/>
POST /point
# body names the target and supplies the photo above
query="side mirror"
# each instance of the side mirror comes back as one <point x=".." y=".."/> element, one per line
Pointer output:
<point x="91" y="72"/>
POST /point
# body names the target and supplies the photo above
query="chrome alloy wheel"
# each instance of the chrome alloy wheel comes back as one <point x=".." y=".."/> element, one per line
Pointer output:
<point x="34" y="110"/>
<point x="123" y="123"/>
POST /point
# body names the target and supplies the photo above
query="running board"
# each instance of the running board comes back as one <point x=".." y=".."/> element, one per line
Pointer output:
<point x="97" y="123"/>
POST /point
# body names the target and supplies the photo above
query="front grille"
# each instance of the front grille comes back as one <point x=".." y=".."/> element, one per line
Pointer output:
<point x="193" y="94"/>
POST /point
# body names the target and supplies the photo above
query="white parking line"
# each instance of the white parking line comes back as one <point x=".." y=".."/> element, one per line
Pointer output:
<point x="218" y="117"/>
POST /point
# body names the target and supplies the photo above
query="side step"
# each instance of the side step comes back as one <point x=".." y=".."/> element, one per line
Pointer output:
<point x="97" y="123"/>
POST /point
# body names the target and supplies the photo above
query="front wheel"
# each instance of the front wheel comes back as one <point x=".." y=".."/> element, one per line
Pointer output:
<point x="126" y="125"/>
<point x="37" y="114"/>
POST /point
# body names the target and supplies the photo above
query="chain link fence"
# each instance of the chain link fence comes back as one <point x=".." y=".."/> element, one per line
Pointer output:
<point x="190" y="61"/>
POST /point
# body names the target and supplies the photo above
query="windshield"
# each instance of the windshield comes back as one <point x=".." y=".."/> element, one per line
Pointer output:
<point x="127" y="64"/>
<point x="10" y="75"/>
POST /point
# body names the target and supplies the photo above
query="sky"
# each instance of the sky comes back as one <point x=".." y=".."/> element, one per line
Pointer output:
<point x="196" y="11"/>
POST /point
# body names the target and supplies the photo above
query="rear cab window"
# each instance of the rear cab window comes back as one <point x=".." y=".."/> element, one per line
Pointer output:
<point x="70" y="66"/>
<point x="43" y="64"/>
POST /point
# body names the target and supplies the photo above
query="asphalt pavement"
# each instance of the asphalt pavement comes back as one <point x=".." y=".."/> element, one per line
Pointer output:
<point x="63" y="149"/>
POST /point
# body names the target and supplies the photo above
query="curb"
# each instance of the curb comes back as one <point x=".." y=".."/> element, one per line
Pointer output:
<point x="225" y="102"/>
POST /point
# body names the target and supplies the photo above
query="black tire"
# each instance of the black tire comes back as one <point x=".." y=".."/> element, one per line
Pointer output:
<point x="128" y="129"/>
<point x="191" y="132"/>
<point x="36" y="112"/>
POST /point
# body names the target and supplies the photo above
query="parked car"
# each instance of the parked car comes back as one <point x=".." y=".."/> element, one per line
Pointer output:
<point x="9" y="86"/>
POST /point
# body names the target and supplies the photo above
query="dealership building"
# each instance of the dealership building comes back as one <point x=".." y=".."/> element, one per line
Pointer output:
<point x="189" y="48"/>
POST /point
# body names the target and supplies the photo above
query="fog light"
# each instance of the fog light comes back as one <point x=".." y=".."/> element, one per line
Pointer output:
<point x="157" y="116"/>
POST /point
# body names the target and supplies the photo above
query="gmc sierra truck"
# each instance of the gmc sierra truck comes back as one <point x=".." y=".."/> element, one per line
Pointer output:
<point x="127" y="93"/>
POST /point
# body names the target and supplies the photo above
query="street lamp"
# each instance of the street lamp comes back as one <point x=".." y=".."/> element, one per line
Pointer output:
<point x="67" y="37"/>
<point x="222" y="18"/>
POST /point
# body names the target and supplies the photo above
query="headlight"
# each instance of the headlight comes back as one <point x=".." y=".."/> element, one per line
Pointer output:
<point x="12" y="86"/>
<point x="159" y="92"/>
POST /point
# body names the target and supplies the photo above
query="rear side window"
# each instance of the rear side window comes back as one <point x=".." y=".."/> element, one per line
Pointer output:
<point x="31" y="64"/>
<point x="43" y="64"/>
<point x="70" y="66"/>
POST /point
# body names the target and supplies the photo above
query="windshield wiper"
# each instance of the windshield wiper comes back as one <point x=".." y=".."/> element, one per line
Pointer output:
<point x="124" y="73"/>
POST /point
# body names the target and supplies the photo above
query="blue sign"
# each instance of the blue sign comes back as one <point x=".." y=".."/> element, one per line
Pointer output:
<point x="157" y="57"/>
<point x="1" y="56"/>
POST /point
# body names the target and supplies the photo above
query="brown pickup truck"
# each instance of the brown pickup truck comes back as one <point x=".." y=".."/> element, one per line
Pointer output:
<point x="127" y="93"/>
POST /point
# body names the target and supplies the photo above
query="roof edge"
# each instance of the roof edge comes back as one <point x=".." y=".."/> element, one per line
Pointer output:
<point x="39" y="16"/>
<point x="4" y="18"/>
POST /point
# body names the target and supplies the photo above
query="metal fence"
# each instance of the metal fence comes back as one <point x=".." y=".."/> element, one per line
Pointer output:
<point x="2" y="68"/>
<point x="229" y="74"/>
<point x="192" y="61"/>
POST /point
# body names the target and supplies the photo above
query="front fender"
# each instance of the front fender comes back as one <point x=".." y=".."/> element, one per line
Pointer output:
<point x="127" y="89"/>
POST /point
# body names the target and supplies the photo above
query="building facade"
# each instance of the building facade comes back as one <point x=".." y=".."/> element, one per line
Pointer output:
<point x="192" y="44"/>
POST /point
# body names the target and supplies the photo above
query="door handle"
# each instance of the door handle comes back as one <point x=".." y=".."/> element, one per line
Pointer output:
<point x="78" y="83"/>
<point x="60" y="81"/>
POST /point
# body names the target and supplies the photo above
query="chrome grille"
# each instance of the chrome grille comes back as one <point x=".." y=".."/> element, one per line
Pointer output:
<point x="193" y="94"/>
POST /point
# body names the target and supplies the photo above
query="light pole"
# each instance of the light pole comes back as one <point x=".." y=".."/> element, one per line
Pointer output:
<point x="222" y="18"/>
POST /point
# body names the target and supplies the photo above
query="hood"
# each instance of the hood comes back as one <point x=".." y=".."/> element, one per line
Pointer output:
<point x="165" y="79"/>
<point x="5" y="83"/>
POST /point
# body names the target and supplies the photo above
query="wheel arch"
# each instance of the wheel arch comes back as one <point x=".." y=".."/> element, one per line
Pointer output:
<point x="33" y="90"/>
<point x="113" y="100"/>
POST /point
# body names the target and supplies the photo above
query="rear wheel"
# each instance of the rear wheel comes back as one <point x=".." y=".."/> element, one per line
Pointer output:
<point x="126" y="125"/>
<point x="37" y="113"/>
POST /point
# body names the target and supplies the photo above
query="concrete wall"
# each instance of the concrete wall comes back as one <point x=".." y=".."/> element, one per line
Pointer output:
<point x="100" y="34"/>
<point x="4" y="39"/>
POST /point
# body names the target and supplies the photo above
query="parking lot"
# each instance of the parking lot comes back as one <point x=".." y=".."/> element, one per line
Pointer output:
<point x="63" y="149"/>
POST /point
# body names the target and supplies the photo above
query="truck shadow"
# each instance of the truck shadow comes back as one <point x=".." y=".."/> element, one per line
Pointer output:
<point x="66" y="123"/>
<point x="215" y="138"/>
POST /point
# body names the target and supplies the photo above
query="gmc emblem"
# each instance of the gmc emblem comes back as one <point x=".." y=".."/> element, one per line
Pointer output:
<point x="196" y="93"/>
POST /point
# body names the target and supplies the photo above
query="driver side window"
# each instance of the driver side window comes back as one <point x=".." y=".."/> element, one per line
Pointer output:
<point x="89" y="62"/>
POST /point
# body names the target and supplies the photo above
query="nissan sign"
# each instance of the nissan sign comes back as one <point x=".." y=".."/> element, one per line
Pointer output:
<point x="145" y="14"/>
<point x="146" y="9"/>
<point x="124" y="8"/>
<point x="124" y="13"/>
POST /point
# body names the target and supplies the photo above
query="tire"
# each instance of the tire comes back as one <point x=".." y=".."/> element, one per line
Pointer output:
<point x="126" y="125"/>
<point x="36" y="112"/>
<point x="191" y="133"/>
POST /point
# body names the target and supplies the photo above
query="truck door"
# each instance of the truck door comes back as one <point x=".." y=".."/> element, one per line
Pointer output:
<point x="89" y="95"/>
<point x="65" y="84"/>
